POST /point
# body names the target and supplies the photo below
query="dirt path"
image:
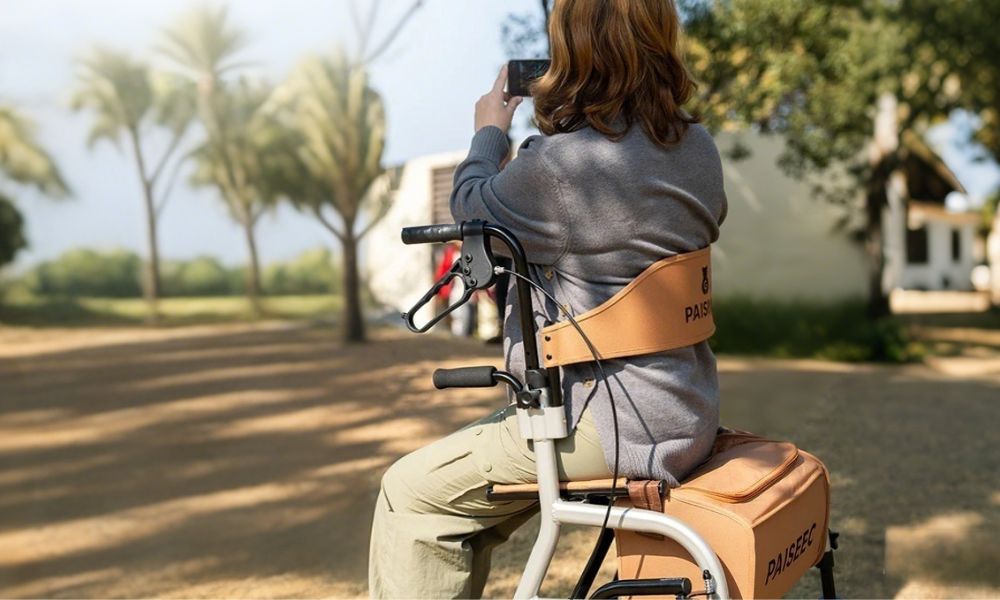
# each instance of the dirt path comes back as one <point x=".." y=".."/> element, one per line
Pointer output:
<point x="241" y="461"/>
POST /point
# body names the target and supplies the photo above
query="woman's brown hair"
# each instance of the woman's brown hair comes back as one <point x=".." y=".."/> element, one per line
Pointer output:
<point x="615" y="63"/>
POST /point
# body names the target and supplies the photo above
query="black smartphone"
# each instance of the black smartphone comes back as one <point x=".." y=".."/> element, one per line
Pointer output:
<point x="520" y="74"/>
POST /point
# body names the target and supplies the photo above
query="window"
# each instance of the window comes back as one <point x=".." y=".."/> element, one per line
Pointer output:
<point x="441" y="184"/>
<point x="956" y="245"/>
<point x="916" y="246"/>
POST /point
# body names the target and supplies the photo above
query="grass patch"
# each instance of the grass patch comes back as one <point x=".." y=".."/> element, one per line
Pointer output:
<point x="24" y="309"/>
<point x="838" y="331"/>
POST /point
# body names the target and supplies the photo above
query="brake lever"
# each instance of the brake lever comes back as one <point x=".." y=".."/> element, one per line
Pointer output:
<point x="474" y="266"/>
<point x="454" y="273"/>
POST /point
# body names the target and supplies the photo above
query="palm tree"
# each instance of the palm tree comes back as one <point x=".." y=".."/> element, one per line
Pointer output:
<point x="22" y="162"/>
<point x="125" y="99"/>
<point x="203" y="45"/>
<point x="341" y="123"/>
<point x="247" y="165"/>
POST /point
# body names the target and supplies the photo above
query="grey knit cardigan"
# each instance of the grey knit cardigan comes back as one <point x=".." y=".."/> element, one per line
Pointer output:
<point x="593" y="213"/>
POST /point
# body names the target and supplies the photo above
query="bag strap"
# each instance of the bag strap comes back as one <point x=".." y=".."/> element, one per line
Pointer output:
<point x="647" y="495"/>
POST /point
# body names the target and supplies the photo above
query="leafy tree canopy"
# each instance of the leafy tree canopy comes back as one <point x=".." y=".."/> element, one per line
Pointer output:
<point x="23" y="160"/>
<point x="963" y="35"/>
<point x="340" y="121"/>
<point x="11" y="231"/>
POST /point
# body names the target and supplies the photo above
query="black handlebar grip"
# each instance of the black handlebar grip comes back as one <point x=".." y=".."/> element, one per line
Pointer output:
<point x="432" y="233"/>
<point x="465" y="377"/>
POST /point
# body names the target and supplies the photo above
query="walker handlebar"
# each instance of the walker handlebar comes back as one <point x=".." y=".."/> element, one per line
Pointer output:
<point x="465" y="377"/>
<point x="426" y="234"/>
<point x="477" y="270"/>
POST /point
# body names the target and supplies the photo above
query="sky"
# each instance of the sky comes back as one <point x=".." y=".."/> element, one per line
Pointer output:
<point x="430" y="78"/>
<point x="446" y="58"/>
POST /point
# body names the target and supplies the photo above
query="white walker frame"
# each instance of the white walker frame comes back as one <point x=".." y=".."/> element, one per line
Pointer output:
<point x="545" y="425"/>
<point x="542" y="419"/>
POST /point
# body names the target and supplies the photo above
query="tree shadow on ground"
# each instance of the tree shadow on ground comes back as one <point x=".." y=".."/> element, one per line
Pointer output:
<point x="151" y="467"/>
<point x="904" y="445"/>
<point x="245" y="462"/>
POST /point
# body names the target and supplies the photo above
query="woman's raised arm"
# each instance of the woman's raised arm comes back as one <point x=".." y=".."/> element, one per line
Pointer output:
<point x="525" y="197"/>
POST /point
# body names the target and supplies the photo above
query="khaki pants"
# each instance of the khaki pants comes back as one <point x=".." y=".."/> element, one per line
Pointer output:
<point x="434" y="530"/>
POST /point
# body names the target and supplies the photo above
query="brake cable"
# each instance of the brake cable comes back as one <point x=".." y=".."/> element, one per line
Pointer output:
<point x="604" y="378"/>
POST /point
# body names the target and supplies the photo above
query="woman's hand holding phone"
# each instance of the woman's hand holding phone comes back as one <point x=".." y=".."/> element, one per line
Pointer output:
<point x="496" y="107"/>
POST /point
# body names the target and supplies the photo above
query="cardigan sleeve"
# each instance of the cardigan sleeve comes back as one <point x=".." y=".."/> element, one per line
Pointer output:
<point x="525" y="197"/>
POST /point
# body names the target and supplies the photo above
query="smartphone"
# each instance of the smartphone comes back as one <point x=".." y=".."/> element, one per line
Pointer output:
<point x="521" y="73"/>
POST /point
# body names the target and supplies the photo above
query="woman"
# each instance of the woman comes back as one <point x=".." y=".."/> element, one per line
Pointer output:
<point x="620" y="178"/>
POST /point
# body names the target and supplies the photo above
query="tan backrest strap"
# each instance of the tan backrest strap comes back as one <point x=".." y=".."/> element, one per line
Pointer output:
<point x="668" y="306"/>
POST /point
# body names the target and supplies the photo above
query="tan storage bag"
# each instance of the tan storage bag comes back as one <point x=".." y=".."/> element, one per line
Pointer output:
<point x="762" y="505"/>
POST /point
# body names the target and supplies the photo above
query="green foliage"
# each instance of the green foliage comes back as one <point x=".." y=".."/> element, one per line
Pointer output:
<point x="312" y="272"/>
<point x="962" y="34"/>
<point x="246" y="163"/>
<point x="525" y="35"/>
<point x="11" y="231"/>
<point x="115" y="86"/>
<point x="843" y="82"/>
<point x="23" y="160"/>
<point x="61" y="311"/>
<point x="126" y="99"/>
<point x="839" y="331"/>
<point x="83" y="272"/>
<point x="116" y="274"/>
<point x="989" y="214"/>
<point x="340" y="123"/>
<point x="202" y="276"/>
<point x="124" y="95"/>
<point x="813" y="72"/>
<point x="204" y="43"/>
<point x="810" y="71"/>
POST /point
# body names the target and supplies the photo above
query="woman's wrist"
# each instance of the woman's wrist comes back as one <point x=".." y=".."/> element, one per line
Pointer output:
<point x="490" y="142"/>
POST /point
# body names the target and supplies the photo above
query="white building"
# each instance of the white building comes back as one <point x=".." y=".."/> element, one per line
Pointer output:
<point x="778" y="241"/>
<point x="397" y="274"/>
<point x="993" y="254"/>
<point x="928" y="246"/>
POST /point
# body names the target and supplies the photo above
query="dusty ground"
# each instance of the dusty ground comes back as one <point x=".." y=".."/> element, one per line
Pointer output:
<point x="236" y="461"/>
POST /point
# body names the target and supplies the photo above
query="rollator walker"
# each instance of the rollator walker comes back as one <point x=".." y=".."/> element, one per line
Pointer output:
<point x="748" y="522"/>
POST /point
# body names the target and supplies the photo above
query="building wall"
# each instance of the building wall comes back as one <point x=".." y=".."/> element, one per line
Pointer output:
<point x="942" y="271"/>
<point x="778" y="241"/>
<point x="399" y="274"/>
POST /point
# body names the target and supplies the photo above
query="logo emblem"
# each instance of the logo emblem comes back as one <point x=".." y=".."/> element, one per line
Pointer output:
<point x="704" y="280"/>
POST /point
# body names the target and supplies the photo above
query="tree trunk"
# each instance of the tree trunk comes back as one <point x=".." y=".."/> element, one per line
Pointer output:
<point x="353" y="326"/>
<point x="545" y="24"/>
<point x="878" y="301"/>
<point x="253" y="268"/>
<point x="885" y="144"/>
<point x="151" y="271"/>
